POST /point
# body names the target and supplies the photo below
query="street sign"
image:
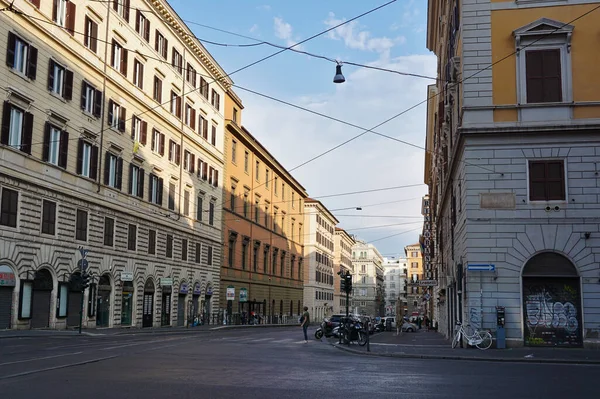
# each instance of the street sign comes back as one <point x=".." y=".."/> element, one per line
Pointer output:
<point x="83" y="252"/>
<point x="126" y="276"/>
<point x="166" y="281"/>
<point x="230" y="293"/>
<point x="486" y="267"/>
<point x="243" y="295"/>
<point x="82" y="264"/>
<point x="425" y="283"/>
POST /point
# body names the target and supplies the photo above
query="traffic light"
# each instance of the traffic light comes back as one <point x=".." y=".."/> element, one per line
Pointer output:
<point x="343" y="285"/>
<point x="85" y="280"/>
<point x="348" y="283"/>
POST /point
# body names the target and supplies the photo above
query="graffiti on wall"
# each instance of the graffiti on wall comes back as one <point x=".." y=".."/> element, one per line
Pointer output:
<point x="475" y="317"/>
<point x="552" y="316"/>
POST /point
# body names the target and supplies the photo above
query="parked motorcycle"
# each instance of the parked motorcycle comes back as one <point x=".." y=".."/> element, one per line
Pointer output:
<point x="352" y="329"/>
<point x="326" y="329"/>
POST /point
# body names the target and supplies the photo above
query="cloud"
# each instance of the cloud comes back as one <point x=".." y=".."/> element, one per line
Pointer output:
<point x="264" y="7"/>
<point x="254" y="28"/>
<point x="367" y="98"/>
<point x="284" y="31"/>
<point x="358" y="39"/>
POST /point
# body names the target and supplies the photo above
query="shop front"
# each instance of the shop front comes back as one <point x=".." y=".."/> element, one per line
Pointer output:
<point x="148" y="305"/>
<point x="72" y="299"/>
<point x="103" y="302"/>
<point x="166" y="286"/>
<point x="8" y="282"/>
<point x="39" y="300"/>
<point x="181" y="303"/>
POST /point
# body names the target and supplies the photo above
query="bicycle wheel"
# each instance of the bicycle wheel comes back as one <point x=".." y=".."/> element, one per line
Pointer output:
<point x="486" y="340"/>
<point x="362" y="338"/>
<point x="456" y="339"/>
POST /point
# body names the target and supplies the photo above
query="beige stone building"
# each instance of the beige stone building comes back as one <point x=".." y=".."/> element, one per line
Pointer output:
<point x="414" y="273"/>
<point x="112" y="141"/>
<point x="319" y="274"/>
<point x="368" y="282"/>
<point x="342" y="263"/>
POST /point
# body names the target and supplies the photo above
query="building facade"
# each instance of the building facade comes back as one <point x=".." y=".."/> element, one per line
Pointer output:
<point x="416" y="304"/>
<point x="368" y="287"/>
<point x="112" y="143"/>
<point x="263" y="228"/>
<point x="342" y="264"/>
<point x="319" y="274"/>
<point x="512" y="167"/>
<point x="395" y="284"/>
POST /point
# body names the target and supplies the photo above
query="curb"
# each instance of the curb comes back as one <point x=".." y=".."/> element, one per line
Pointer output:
<point x="469" y="358"/>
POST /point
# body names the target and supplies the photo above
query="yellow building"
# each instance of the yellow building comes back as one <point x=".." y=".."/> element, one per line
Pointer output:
<point x="342" y="262"/>
<point x="512" y="146"/>
<point x="414" y="273"/>
<point x="263" y="235"/>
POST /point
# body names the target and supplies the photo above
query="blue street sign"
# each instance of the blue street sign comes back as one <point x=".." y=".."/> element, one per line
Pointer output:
<point x="82" y="264"/>
<point x="487" y="267"/>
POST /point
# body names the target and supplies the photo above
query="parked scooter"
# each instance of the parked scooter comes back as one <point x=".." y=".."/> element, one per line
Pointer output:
<point x="326" y="329"/>
<point x="352" y="330"/>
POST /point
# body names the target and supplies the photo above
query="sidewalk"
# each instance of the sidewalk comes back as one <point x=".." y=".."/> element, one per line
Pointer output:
<point x="96" y="332"/>
<point x="432" y="345"/>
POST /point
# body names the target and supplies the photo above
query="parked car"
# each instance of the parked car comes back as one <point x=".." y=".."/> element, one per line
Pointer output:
<point x="407" y="326"/>
<point x="392" y="318"/>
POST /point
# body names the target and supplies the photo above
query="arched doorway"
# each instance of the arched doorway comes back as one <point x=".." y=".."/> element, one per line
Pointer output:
<point x="181" y="303"/>
<point x="551" y="302"/>
<point x="127" y="303"/>
<point x="42" y="291"/>
<point x="148" y="306"/>
<point x="8" y="282"/>
<point x="73" y="299"/>
<point x="103" y="302"/>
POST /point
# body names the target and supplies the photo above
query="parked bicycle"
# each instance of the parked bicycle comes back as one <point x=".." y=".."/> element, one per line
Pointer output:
<point x="479" y="338"/>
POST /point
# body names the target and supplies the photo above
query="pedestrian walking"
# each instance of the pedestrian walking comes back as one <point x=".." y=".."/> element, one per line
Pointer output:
<point x="305" y="323"/>
<point x="426" y="320"/>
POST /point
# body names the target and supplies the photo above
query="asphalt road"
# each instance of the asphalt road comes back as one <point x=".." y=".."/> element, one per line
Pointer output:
<point x="260" y="363"/>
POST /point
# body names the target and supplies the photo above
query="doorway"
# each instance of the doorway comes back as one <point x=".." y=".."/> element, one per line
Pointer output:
<point x="103" y="302"/>
<point x="127" y="303"/>
<point x="148" y="305"/>
<point x="42" y="292"/>
<point x="7" y="284"/>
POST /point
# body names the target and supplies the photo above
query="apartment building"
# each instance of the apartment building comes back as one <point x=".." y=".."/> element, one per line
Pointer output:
<point x="111" y="150"/>
<point x="512" y="167"/>
<point x="368" y="282"/>
<point x="263" y="228"/>
<point x="342" y="264"/>
<point x="414" y="273"/>
<point x="395" y="285"/>
<point x="319" y="250"/>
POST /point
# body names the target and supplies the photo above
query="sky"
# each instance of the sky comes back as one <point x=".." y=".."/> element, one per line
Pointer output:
<point x="392" y="38"/>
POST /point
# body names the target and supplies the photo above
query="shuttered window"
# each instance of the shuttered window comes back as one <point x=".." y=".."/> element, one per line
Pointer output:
<point x="543" y="74"/>
<point x="546" y="180"/>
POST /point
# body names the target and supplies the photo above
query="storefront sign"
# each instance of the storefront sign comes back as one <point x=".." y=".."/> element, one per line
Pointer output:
<point x="183" y="288"/>
<point x="197" y="289"/>
<point x="166" y="281"/>
<point x="209" y="291"/>
<point x="243" y="295"/>
<point x="230" y="293"/>
<point x="126" y="276"/>
<point x="7" y="277"/>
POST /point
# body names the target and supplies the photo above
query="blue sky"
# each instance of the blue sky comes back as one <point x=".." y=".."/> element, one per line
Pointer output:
<point x="393" y="38"/>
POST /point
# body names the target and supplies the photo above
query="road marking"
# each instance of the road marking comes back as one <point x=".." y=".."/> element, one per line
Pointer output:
<point x="4" y="377"/>
<point x="262" y="339"/>
<point x="282" y="341"/>
<point x="40" y="358"/>
<point x="139" y="343"/>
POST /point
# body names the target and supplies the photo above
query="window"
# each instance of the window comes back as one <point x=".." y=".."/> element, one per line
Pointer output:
<point x="17" y="128"/>
<point x="198" y="252"/>
<point x="90" y="34"/>
<point x="174" y="152"/>
<point x="169" y="248"/>
<point x="60" y="80"/>
<point x="138" y="74"/>
<point x="256" y="211"/>
<point x="293" y="195"/>
<point x="21" y="56"/>
<point x="87" y="159"/>
<point x="189" y="161"/>
<point x="233" y="150"/>
<point x="175" y="104"/>
<point x="155" y="190"/>
<point x="48" y="217"/>
<point x="61" y="300"/>
<point x="190" y="75"/>
<point x="547" y="180"/>
<point x="209" y="256"/>
<point x="171" y="202"/>
<point x="190" y="116"/>
<point x="235" y="116"/>
<point x="184" y="249"/>
<point x="91" y="99"/>
<point x="543" y="76"/>
<point x="56" y="146"/>
<point x="136" y="181"/>
<point x="203" y="127"/>
<point x="246" y="205"/>
<point x="213" y="135"/>
<point x="142" y="26"/>
<point x="139" y="130"/>
<point x="267" y="178"/>
<point x="232" y="199"/>
<point x="231" y="249"/>
<point x="283" y="191"/>
<point x="246" y="161"/>
<point x="177" y="61"/>
<point x="113" y="170"/>
<point x="199" y="207"/>
<point x="157" y="91"/>
<point x="119" y="58"/>
<point x="116" y="116"/>
<point x="8" y="207"/>
<point x="186" y="203"/>
<point x="215" y="99"/>
<point x="275" y="184"/>
<point x="158" y="142"/>
<point x="81" y="225"/>
<point x="63" y="13"/>
<point x="202" y="169"/>
<point x="266" y="260"/>
<point x="213" y="177"/>
<point x="161" y="45"/>
<point x="132" y="237"/>
<point x="109" y="231"/>
<point x="256" y="174"/>
<point x="244" y="253"/>
<point x="122" y="8"/>
<point x="151" y="242"/>
<point x="204" y="87"/>
<point x="211" y="213"/>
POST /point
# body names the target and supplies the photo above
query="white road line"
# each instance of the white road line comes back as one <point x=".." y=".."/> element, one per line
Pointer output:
<point x="281" y="341"/>
<point x="262" y="339"/>
<point x="40" y="358"/>
<point x="136" y="344"/>
<point x="4" y="377"/>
